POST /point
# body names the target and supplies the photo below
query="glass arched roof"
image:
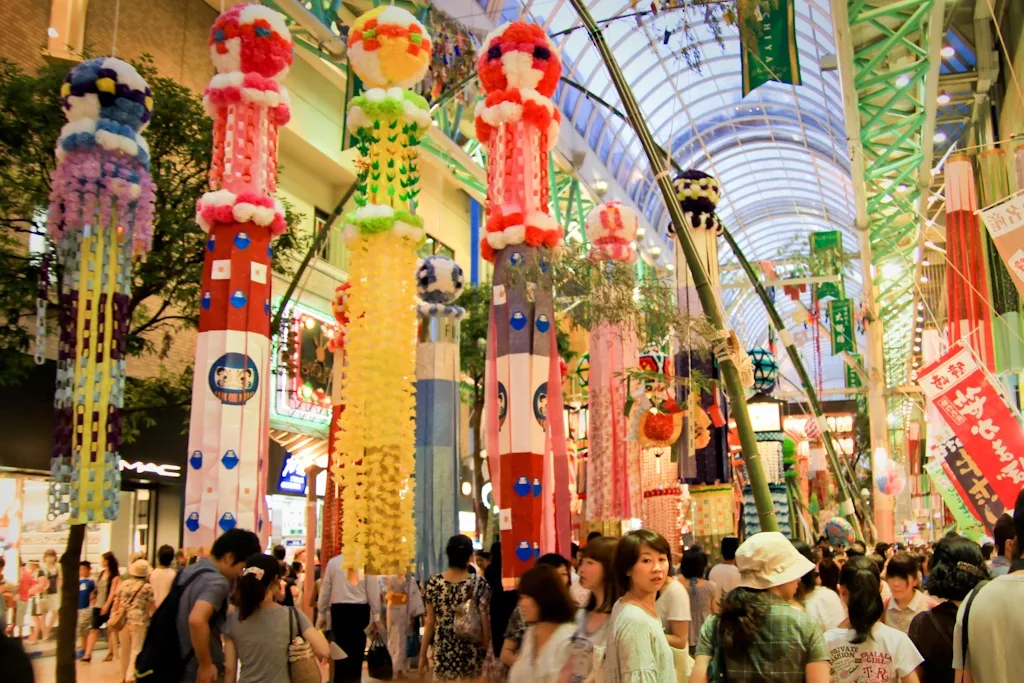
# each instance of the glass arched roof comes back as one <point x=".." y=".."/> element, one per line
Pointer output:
<point x="780" y="153"/>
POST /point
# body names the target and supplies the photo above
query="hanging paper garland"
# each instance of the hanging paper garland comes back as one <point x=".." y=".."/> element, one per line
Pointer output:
<point x="439" y="282"/>
<point x="519" y="69"/>
<point x="101" y="210"/>
<point x="332" y="512"/>
<point x="226" y="480"/>
<point x="614" y="461"/>
<point x="390" y="51"/>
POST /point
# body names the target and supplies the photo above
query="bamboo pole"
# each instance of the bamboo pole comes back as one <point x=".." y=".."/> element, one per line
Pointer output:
<point x="708" y="301"/>
<point x="846" y="498"/>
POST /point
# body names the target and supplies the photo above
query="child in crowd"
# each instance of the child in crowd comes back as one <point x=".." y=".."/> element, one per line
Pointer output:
<point x="903" y="574"/>
<point x="86" y="598"/>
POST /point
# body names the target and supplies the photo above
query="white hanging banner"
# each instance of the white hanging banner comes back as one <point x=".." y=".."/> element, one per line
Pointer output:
<point x="1005" y="222"/>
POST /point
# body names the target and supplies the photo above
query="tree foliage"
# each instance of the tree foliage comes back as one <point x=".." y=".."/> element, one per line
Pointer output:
<point x="166" y="284"/>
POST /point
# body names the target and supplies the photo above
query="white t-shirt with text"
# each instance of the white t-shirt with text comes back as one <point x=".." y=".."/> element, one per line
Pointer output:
<point x="885" y="657"/>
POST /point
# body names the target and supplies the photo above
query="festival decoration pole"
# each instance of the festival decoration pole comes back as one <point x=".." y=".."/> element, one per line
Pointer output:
<point x="101" y="210"/>
<point x="390" y="51"/>
<point x="226" y="479"/>
<point x="613" y="461"/>
<point x="844" y="487"/>
<point x="519" y="70"/>
<point x="705" y="292"/>
<point x="439" y="282"/>
<point x="966" y="282"/>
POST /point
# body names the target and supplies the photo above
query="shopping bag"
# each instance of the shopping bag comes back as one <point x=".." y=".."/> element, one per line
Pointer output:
<point x="378" y="660"/>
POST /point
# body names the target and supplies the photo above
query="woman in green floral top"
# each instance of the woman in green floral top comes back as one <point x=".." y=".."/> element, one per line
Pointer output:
<point x="763" y="639"/>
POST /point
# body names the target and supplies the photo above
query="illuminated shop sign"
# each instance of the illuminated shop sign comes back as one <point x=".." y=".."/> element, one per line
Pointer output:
<point x="151" y="468"/>
<point x="302" y="366"/>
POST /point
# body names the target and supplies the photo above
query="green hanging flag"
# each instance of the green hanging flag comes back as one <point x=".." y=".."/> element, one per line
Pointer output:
<point x="840" y="314"/>
<point x="827" y="259"/>
<point x="768" y="42"/>
<point x="853" y="379"/>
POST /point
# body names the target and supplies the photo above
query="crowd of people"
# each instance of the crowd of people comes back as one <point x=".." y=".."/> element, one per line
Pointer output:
<point x="771" y="611"/>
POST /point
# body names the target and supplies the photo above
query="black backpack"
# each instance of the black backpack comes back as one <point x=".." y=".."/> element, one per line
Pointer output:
<point x="160" y="659"/>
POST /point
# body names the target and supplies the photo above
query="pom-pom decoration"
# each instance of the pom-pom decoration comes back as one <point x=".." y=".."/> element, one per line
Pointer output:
<point x="839" y="532"/>
<point x="439" y="282"/>
<point x="519" y="69"/>
<point x="373" y="445"/>
<point x="388" y="47"/>
<point x="101" y="211"/>
<point x="766" y="369"/>
<point x="226" y="473"/>
<point x="698" y="194"/>
<point x="611" y="229"/>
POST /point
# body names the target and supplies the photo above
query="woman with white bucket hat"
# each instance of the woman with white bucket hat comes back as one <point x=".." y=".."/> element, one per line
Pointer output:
<point x="757" y="635"/>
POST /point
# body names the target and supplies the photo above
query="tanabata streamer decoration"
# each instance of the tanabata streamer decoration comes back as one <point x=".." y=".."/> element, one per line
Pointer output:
<point x="519" y="70"/>
<point x="251" y="49"/>
<point x="698" y="194"/>
<point x="612" y="458"/>
<point x="101" y="211"/>
<point x="331" y="522"/>
<point x="439" y="282"/>
<point x="375" y="444"/>
<point x="969" y="317"/>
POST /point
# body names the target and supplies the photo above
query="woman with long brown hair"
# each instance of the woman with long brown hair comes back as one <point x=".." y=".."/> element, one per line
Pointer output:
<point x="597" y="575"/>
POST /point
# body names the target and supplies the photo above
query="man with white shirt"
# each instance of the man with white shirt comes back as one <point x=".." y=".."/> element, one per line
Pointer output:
<point x="725" y="575"/>
<point x="347" y="609"/>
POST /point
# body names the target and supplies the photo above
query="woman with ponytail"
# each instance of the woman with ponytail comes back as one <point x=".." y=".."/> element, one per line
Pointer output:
<point x="868" y="650"/>
<point x="757" y="636"/>
<point x="260" y="629"/>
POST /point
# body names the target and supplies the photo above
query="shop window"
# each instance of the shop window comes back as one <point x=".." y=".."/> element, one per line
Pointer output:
<point x="433" y="246"/>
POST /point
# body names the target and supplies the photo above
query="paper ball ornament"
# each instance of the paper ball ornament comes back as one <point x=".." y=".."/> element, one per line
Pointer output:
<point x="839" y="532"/>
<point x="107" y="88"/>
<point x="698" y="194"/>
<point x="388" y="47"/>
<point x="439" y="280"/>
<point x="891" y="480"/>
<point x="611" y="229"/>
<point x="659" y="430"/>
<point x="254" y="40"/>
<point x="766" y="369"/>
<point x="519" y="56"/>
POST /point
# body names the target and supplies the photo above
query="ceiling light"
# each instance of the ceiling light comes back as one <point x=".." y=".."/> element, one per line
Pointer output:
<point x="940" y="136"/>
<point x="917" y="349"/>
<point x="655" y="252"/>
<point x="925" y="262"/>
<point x="920" y="318"/>
<point x="924" y="278"/>
<point x="943" y="98"/>
<point x="670" y="267"/>
<point x="916" y="364"/>
<point x="902" y="80"/>
<point x="920" y="306"/>
<point x="948" y="51"/>
<point x="640" y="232"/>
<point x="52" y="32"/>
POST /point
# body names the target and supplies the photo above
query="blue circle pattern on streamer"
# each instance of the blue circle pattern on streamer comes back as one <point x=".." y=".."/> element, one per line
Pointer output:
<point x="227" y="522"/>
<point x="211" y="243"/>
<point x="196" y="460"/>
<point x="229" y="459"/>
<point x="543" y="323"/>
<point x="517" y="321"/>
<point x="524" y="552"/>
<point x="242" y="240"/>
<point x="540" y="404"/>
<point x="536" y="487"/>
<point x="234" y="379"/>
<point x="516" y="258"/>
<point x="238" y="299"/>
<point x="192" y="522"/>
<point x="522" y="487"/>
<point x="206" y="301"/>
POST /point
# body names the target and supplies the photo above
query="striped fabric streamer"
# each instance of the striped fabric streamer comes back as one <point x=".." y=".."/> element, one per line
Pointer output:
<point x="101" y="210"/>
<point x="226" y="474"/>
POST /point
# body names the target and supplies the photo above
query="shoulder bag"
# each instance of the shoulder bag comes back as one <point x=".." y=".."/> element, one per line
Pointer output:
<point x="118" y="615"/>
<point x="467" y="622"/>
<point x="302" y="666"/>
<point x="964" y="635"/>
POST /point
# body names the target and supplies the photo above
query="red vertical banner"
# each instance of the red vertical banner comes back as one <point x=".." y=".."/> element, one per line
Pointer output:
<point x="977" y="414"/>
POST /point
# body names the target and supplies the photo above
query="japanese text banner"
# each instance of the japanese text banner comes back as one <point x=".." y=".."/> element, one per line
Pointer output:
<point x="976" y="413"/>
<point x="971" y="484"/>
<point x="1005" y="223"/>
<point x="961" y="513"/>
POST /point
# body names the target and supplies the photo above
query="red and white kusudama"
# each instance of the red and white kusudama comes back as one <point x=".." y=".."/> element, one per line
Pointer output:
<point x="519" y="69"/>
<point x="226" y="476"/>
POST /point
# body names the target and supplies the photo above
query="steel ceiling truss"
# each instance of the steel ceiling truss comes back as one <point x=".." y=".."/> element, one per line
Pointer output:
<point x="894" y="78"/>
